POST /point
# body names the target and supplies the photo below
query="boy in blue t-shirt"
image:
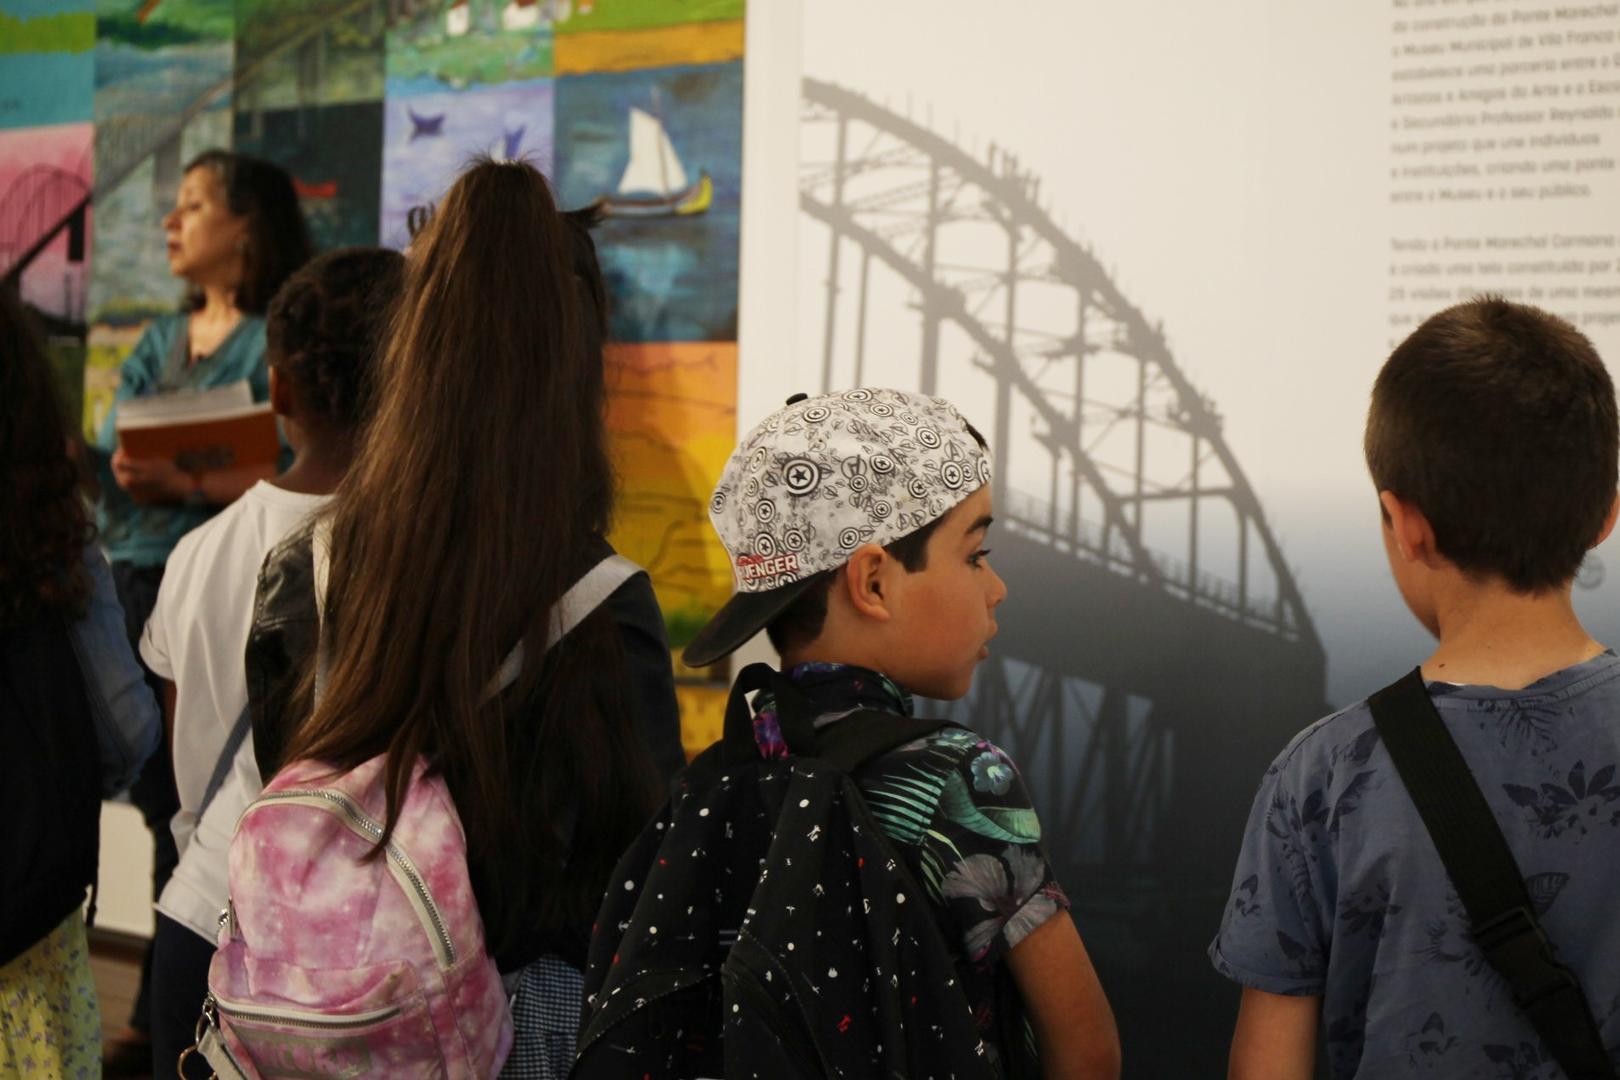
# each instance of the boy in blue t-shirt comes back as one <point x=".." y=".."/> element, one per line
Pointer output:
<point x="1492" y="445"/>
<point x="856" y="524"/>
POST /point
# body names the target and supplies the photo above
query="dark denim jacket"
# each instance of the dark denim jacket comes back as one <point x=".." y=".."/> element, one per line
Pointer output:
<point x="128" y="724"/>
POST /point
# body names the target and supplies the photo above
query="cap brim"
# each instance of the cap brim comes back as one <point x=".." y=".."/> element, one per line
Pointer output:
<point x="738" y="620"/>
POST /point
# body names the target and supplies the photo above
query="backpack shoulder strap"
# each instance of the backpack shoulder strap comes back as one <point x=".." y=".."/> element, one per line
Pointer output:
<point x="320" y="553"/>
<point x="583" y="597"/>
<point x="1487" y="879"/>
<point x="227" y="758"/>
<point x="851" y="741"/>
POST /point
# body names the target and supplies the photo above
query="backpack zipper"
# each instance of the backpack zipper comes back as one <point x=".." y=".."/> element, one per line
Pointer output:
<point x="364" y="825"/>
<point x="299" y="1018"/>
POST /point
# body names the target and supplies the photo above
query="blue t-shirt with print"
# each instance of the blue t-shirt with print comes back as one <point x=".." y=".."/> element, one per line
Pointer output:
<point x="1339" y="891"/>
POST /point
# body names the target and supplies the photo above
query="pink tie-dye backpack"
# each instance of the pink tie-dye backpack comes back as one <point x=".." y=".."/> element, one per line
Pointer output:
<point x="333" y="965"/>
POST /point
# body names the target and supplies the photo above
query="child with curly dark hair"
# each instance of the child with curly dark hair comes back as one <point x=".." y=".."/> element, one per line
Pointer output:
<point x="77" y="720"/>
<point x="322" y="331"/>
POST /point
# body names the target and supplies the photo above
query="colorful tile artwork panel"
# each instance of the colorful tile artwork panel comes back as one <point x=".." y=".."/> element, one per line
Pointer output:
<point x="374" y="107"/>
<point x="456" y="44"/>
<point x="334" y="154"/>
<point x="45" y="178"/>
<point x="622" y="35"/>
<point x="292" y="53"/>
<point x="162" y="69"/>
<point x="672" y="420"/>
<point x="163" y="77"/>
<point x="597" y="16"/>
<point x="672" y="411"/>
<point x="47" y="62"/>
<point x="428" y="139"/>
<point x="661" y="149"/>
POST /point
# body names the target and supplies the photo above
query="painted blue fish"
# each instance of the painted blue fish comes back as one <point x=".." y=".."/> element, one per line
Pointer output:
<point x="424" y="125"/>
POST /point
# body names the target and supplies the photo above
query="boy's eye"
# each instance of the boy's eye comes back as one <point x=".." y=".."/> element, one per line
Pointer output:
<point x="978" y="557"/>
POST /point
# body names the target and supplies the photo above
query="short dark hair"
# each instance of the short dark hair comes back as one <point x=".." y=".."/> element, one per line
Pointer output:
<point x="1498" y="421"/>
<point x="802" y="620"/>
<point x="277" y="238"/>
<point x="324" y="329"/>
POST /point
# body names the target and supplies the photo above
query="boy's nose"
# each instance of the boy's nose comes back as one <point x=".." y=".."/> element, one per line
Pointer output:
<point x="998" y="590"/>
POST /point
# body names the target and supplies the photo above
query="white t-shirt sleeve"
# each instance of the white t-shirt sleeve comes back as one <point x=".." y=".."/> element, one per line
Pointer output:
<point x="156" y="637"/>
<point x="200" y="885"/>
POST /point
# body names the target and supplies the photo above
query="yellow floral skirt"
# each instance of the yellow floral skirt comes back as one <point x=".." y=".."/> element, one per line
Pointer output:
<point x="49" y="1023"/>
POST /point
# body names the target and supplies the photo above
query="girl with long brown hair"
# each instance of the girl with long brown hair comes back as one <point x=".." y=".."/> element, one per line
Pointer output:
<point x="481" y="493"/>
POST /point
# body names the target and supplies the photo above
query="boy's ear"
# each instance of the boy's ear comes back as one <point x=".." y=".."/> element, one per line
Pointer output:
<point x="1410" y="530"/>
<point x="1608" y="522"/>
<point x="281" y="394"/>
<point x="863" y="582"/>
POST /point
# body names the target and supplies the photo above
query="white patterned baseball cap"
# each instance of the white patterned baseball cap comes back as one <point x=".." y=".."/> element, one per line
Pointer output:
<point x="819" y="478"/>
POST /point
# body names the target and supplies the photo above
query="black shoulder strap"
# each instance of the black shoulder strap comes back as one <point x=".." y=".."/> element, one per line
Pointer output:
<point x="793" y="714"/>
<point x="226" y="759"/>
<point x="851" y="741"/>
<point x="1487" y="879"/>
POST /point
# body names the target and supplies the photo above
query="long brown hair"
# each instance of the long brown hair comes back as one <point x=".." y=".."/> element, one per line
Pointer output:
<point x="483" y="479"/>
<point x="47" y="523"/>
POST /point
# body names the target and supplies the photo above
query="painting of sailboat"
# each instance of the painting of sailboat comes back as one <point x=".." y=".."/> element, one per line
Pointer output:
<point x="654" y="183"/>
<point x="660" y="150"/>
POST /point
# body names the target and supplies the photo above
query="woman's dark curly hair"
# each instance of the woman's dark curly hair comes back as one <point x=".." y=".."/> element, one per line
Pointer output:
<point x="325" y="327"/>
<point x="277" y="238"/>
<point x="47" y="521"/>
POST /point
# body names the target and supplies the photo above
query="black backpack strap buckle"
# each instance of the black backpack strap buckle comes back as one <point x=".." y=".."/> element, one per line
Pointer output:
<point x="1516" y="945"/>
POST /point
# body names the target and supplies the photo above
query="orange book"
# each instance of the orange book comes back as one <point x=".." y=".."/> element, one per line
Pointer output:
<point x="202" y="430"/>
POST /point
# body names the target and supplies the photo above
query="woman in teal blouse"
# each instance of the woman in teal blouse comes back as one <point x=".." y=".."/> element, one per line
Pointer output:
<point x="234" y="235"/>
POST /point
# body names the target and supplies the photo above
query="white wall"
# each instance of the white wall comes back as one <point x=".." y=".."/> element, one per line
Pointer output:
<point x="124" y="897"/>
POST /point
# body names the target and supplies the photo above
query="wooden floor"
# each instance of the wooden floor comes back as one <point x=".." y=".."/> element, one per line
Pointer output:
<point x="116" y="961"/>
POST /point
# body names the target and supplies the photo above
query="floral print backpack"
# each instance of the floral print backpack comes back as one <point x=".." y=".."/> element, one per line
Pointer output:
<point x="763" y="925"/>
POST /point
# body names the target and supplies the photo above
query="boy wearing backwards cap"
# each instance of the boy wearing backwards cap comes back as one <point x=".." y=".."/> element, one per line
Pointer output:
<point x="855" y="523"/>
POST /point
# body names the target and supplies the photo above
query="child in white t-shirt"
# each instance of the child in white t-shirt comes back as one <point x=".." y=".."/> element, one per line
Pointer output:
<point x="323" y="330"/>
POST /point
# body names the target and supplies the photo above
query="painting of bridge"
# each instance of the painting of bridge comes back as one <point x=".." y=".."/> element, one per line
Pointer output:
<point x="44" y="181"/>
